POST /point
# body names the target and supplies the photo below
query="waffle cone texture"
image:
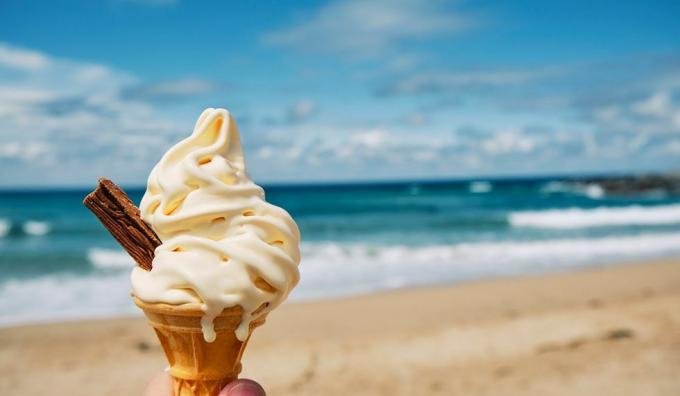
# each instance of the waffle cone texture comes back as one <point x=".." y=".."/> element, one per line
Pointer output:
<point x="198" y="367"/>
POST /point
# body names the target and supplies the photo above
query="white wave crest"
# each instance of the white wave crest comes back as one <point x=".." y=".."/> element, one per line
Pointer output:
<point x="594" y="191"/>
<point x="108" y="258"/>
<point x="52" y="298"/>
<point x="591" y="190"/>
<point x="5" y="227"/>
<point x="480" y="187"/>
<point x="336" y="269"/>
<point x="597" y="217"/>
<point x="36" y="228"/>
<point x="332" y="269"/>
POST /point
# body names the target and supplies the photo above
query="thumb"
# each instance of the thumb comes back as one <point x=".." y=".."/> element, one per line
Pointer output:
<point x="243" y="387"/>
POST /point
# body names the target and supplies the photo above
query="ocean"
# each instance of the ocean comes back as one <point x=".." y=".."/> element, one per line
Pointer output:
<point x="57" y="262"/>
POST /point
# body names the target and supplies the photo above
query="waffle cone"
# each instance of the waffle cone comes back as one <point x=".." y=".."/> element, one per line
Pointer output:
<point x="198" y="367"/>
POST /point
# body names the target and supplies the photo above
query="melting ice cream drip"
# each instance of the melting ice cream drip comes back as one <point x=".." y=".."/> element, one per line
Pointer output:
<point x="223" y="244"/>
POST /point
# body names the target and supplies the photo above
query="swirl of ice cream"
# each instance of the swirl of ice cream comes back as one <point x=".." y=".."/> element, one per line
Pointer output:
<point x="223" y="244"/>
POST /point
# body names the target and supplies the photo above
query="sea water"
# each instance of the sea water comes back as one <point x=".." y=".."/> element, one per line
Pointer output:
<point x="57" y="261"/>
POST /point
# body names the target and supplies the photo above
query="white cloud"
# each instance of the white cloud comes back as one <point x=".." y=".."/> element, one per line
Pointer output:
<point x="265" y="152"/>
<point x="369" y="28"/>
<point x="348" y="150"/>
<point x="69" y="121"/>
<point x="607" y="113"/>
<point x="370" y="139"/>
<point x="26" y="151"/>
<point x="293" y="153"/>
<point x="415" y="119"/>
<point x="404" y="62"/>
<point x="509" y="141"/>
<point x="72" y="114"/>
<point x="90" y="73"/>
<point x="171" y="89"/>
<point x="23" y="59"/>
<point x="301" y="110"/>
<point x="600" y="120"/>
<point x="652" y="113"/>
<point x="673" y="147"/>
<point x="433" y="82"/>
<point x="657" y="105"/>
<point x="328" y="152"/>
<point x="10" y="94"/>
<point x="331" y="152"/>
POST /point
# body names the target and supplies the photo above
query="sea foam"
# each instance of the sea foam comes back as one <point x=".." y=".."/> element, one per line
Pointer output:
<point x="36" y="228"/>
<point x="29" y="227"/>
<point x="591" y="190"/>
<point x="5" y="227"/>
<point x="109" y="258"/>
<point x="331" y="269"/>
<point x="56" y="298"/>
<point x="597" y="217"/>
<point x="334" y="269"/>
<point x="480" y="187"/>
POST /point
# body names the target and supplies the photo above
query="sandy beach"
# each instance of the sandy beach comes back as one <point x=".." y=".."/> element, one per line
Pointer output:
<point x="613" y="330"/>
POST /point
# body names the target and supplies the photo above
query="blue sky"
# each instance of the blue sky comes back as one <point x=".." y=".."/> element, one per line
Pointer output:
<point x="340" y="90"/>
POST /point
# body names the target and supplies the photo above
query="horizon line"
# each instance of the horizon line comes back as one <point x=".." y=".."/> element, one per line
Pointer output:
<point x="375" y="182"/>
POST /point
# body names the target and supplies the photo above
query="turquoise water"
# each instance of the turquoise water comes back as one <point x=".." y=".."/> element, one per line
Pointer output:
<point x="55" y="256"/>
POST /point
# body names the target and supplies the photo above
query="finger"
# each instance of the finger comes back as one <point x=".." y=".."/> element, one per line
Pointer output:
<point x="160" y="385"/>
<point x="243" y="387"/>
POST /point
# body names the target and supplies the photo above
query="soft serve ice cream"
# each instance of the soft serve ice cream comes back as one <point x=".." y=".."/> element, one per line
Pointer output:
<point x="223" y="244"/>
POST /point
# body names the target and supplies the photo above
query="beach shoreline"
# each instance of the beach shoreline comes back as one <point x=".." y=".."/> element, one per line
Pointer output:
<point x="587" y="332"/>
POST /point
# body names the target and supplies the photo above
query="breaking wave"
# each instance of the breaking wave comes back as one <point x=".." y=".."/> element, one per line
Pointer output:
<point x="26" y="228"/>
<point x="332" y="269"/>
<point x="109" y="258"/>
<point x="597" y="217"/>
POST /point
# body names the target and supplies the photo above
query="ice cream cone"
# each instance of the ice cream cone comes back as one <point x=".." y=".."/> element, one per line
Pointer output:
<point x="198" y="367"/>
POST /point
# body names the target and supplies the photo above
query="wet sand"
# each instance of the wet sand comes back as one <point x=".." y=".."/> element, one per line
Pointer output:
<point x="613" y="330"/>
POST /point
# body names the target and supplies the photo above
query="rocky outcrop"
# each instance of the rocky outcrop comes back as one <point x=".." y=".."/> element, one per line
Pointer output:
<point x="662" y="184"/>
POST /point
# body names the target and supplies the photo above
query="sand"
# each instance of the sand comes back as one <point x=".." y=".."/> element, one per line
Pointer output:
<point x="613" y="330"/>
